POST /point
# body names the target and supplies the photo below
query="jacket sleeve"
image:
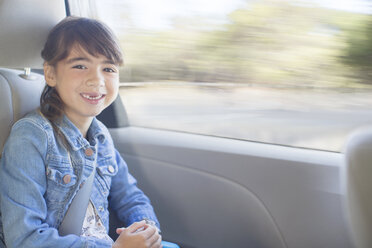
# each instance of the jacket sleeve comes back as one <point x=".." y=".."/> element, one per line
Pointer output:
<point x="126" y="199"/>
<point x="22" y="189"/>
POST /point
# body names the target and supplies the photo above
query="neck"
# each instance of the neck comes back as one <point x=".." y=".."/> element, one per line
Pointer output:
<point x="82" y="124"/>
<point x="83" y="127"/>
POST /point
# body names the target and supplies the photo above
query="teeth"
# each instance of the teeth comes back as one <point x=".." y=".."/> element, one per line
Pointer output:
<point x="91" y="97"/>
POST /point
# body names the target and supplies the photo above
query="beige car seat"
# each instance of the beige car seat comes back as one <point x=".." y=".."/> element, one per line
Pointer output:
<point x="24" y="26"/>
<point x="357" y="185"/>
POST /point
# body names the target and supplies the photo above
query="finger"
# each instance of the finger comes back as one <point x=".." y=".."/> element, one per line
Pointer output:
<point x="149" y="231"/>
<point x="152" y="239"/>
<point x="136" y="225"/>
<point x="119" y="230"/>
<point x="155" y="240"/>
<point x="158" y="243"/>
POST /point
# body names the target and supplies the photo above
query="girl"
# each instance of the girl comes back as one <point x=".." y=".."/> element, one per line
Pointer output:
<point x="51" y="152"/>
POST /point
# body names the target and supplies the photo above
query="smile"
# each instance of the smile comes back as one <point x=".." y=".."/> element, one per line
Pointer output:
<point x="92" y="96"/>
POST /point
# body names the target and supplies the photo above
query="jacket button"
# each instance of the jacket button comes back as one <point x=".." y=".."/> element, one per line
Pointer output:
<point x="111" y="169"/>
<point x="67" y="179"/>
<point x="89" y="152"/>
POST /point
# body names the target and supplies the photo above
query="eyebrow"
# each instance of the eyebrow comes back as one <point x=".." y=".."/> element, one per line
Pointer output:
<point x="72" y="60"/>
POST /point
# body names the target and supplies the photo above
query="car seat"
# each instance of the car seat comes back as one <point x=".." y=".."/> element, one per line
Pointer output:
<point x="18" y="96"/>
<point x="15" y="100"/>
<point x="357" y="185"/>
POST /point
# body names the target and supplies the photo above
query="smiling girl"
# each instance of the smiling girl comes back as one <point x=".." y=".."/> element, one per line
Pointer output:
<point x="51" y="152"/>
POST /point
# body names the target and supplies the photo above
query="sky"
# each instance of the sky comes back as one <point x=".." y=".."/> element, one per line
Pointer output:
<point x="157" y="14"/>
<point x="363" y="6"/>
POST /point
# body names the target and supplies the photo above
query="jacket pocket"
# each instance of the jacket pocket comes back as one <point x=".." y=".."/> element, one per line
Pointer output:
<point x="60" y="179"/>
<point x="106" y="169"/>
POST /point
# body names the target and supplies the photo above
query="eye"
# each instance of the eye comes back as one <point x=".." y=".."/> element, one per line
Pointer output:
<point x="108" y="69"/>
<point x="81" y="67"/>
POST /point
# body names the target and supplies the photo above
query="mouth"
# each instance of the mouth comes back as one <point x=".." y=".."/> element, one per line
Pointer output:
<point x="92" y="97"/>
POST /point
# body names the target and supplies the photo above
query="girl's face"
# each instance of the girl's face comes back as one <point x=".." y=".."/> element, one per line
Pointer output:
<point x="86" y="84"/>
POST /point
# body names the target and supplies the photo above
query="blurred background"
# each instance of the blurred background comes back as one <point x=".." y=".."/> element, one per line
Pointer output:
<point x="295" y="73"/>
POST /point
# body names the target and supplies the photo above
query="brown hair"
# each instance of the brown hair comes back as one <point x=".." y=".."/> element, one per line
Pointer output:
<point x="89" y="34"/>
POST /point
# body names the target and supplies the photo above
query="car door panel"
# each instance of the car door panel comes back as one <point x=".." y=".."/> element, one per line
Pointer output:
<point x="216" y="192"/>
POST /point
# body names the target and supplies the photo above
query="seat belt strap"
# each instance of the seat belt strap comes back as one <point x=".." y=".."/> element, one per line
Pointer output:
<point x="73" y="221"/>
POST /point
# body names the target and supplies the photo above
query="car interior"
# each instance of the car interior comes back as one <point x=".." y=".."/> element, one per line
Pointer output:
<point x="208" y="192"/>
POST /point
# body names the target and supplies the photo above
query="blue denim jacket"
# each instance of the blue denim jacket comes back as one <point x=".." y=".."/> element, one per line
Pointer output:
<point x="38" y="182"/>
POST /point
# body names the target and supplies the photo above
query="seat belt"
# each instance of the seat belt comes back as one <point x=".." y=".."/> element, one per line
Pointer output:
<point x="73" y="221"/>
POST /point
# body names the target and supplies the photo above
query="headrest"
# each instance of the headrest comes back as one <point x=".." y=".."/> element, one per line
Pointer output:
<point x="357" y="184"/>
<point x="18" y="96"/>
<point x="24" y="26"/>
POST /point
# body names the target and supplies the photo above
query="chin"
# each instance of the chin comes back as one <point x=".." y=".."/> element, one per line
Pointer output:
<point x="94" y="114"/>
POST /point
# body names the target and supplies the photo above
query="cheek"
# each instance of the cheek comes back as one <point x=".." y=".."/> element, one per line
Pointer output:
<point x="66" y="93"/>
<point x="113" y="88"/>
<point x="114" y="94"/>
<point x="62" y="90"/>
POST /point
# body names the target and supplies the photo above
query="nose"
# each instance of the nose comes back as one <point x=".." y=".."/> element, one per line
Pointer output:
<point x="96" y="79"/>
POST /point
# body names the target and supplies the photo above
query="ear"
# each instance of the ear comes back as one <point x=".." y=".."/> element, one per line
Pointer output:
<point x="50" y="75"/>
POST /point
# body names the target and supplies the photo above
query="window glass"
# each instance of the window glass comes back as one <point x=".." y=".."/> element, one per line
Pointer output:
<point x="295" y="73"/>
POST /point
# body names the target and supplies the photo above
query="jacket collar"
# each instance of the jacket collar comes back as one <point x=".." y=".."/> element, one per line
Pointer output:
<point x="74" y="136"/>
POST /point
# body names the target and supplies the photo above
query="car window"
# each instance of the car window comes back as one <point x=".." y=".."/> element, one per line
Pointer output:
<point x="293" y="73"/>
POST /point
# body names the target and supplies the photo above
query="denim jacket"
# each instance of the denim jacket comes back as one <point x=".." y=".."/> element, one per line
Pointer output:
<point x="38" y="182"/>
